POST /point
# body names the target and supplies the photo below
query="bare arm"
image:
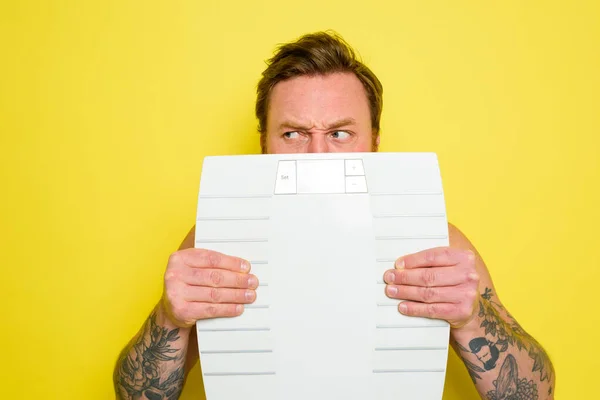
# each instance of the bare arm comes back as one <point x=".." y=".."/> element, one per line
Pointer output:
<point x="156" y="361"/>
<point x="199" y="284"/>
<point x="151" y="366"/>
<point x="452" y="283"/>
<point x="502" y="359"/>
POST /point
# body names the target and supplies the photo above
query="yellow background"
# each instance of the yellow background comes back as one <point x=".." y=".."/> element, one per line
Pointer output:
<point x="107" y="109"/>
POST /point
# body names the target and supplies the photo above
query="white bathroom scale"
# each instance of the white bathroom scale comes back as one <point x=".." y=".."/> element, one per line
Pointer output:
<point x="319" y="231"/>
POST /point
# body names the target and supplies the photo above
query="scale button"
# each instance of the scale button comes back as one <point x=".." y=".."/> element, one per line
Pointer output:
<point x="286" y="178"/>
<point x="356" y="184"/>
<point x="354" y="167"/>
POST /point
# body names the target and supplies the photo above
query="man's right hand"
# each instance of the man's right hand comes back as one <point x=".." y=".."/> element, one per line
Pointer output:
<point x="201" y="284"/>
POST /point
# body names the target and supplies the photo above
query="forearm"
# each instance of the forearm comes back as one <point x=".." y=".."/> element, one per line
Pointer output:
<point x="152" y="365"/>
<point x="501" y="357"/>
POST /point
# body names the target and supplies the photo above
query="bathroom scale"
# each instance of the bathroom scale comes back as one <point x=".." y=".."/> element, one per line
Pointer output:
<point x="319" y="231"/>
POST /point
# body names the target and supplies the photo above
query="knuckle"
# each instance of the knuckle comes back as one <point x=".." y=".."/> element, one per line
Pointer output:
<point x="212" y="311"/>
<point x="400" y="277"/>
<point x="202" y="255"/>
<point x="471" y="275"/>
<point x="470" y="255"/>
<point x="171" y="275"/>
<point x="198" y="273"/>
<point x="429" y="277"/>
<point x="447" y="252"/>
<point x="172" y="293"/>
<point x="429" y="294"/>
<point x="430" y="257"/>
<point x="216" y="277"/>
<point x="215" y="295"/>
<point x="214" y="259"/>
<point x="241" y="281"/>
<point x="431" y="310"/>
<point x="471" y="268"/>
<point x="174" y="259"/>
<point x="239" y="296"/>
<point x="471" y="296"/>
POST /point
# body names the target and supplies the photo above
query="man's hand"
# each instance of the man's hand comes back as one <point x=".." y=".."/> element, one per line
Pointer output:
<point x="201" y="284"/>
<point x="440" y="283"/>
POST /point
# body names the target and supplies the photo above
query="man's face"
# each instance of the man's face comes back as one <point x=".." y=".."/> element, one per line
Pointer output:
<point x="484" y="354"/>
<point x="319" y="114"/>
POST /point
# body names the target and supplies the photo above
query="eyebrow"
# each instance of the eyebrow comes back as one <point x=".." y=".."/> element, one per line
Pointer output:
<point x="300" y="126"/>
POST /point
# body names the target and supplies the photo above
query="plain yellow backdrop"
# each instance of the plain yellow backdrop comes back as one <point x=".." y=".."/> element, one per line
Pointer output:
<point x="107" y="109"/>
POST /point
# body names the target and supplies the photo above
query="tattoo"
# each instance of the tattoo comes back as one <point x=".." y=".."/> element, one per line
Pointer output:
<point x="507" y="333"/>
<point x="499" y="335"/>
<point x="139" y="369"/>
<point x="508" y="386"/>
<point x="471" y="368"/>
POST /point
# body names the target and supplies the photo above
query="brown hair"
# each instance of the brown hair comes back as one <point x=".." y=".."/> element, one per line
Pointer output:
<point x="319" y="53"/>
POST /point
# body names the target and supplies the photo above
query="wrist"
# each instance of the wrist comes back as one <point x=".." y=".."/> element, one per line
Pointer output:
<point x="165" y="319"/>
<point x="468" y="330"/>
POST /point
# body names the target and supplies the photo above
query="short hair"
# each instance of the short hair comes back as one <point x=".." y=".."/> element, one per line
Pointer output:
<point x="477" y="343"/>
<point x="314" y="54"/>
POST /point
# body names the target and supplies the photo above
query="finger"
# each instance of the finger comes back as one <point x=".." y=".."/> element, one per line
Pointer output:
<point x="445" y="294"/>
<point x="219" y="278"/>
<point x="429" y="277"/>
<point x="444" y="311"/>
<point x="436" y="257"/>
<point x="199" y="311"/>
<point x="219" y="295"/>
<point x="201" y="258"/>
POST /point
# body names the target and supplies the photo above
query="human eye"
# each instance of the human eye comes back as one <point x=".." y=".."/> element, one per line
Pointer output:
<point x="340" y="135"/>
<point x="291" y="135"/>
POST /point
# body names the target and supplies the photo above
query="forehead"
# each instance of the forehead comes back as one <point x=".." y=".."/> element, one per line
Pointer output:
<point x="319" y="99"/>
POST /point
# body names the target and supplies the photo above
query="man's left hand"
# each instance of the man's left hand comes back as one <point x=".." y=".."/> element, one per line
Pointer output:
<point x="440" y="283"/>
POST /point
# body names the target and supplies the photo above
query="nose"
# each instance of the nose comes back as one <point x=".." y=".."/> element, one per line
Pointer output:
<point x="318" y="144"/>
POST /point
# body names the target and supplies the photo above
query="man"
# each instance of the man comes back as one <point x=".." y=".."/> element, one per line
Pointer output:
<point x="315" y="96"/>
<point x="485" y="351"/>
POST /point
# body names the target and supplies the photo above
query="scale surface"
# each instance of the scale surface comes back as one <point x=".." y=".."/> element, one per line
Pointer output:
<point x="319" y="231"/>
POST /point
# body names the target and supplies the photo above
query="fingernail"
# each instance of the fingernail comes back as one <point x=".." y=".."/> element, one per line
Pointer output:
<point x="249" y="295"/>
<point x="392" y="290"/>
<point x="400" y="264"/>
<point x="245" y="266"/>
<point x="252" y="282"/>
<point x="389" y="277"/>
<point x="239" y="308"/>
<point x="402" y="307"/>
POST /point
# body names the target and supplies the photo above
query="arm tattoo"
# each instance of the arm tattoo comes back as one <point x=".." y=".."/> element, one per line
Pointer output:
<point x="500" y="334"/>
<point x="508" y="386"/>
<point x="138" y="372"/>
<point x="471" y="368"/>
